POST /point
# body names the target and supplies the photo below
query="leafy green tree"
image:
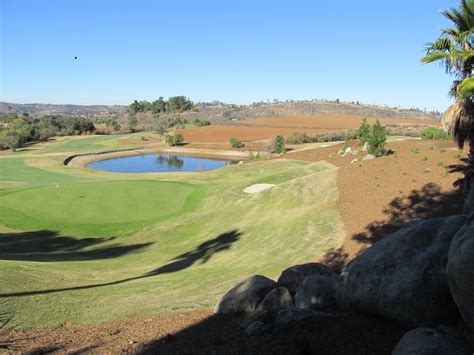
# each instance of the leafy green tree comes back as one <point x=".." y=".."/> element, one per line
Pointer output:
<point x="363" y="132"/>
<point x="158" y="106"/>
<point x="454" y="50"/>
<point x="179" y="104"/>
<point x="135" y="106"/>
<point x="13" y="140"/>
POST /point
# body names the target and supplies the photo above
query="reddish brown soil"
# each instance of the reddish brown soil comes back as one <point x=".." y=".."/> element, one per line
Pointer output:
<point x="202" y="332"/>
<point x="330" y="122"/>
<point x="265" y="128"/>
<point x="379" y="196"/>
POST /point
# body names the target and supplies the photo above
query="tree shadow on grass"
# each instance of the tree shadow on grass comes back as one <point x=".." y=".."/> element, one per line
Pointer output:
<point x="49" y="246"/>
<point x="427" y="202"/>
<point x="202" y="253"/>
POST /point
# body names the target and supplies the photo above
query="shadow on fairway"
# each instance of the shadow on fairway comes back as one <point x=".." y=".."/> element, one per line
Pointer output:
<point x="49" y="246"/>
<point x="201" y="254"/>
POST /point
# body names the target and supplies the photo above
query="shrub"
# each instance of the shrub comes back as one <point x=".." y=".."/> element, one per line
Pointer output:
<point x="377" y="139"/>
<point x="201" y="123"/>
<point x="174" y="139"/>
<point x="277" y="144"/>
<point x="298" y="138"/>
<point x="435" y="133"/>
<point x="363" y="132"/>
<point x="235" y="143"/>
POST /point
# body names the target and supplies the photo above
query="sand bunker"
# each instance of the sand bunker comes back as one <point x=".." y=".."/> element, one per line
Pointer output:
<point x="257" y="188"/>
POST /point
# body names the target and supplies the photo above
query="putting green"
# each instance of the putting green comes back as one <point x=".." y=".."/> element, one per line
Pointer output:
<point x="98" y="208"/>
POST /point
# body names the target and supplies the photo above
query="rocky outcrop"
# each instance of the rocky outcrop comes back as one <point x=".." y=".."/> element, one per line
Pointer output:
<point x="316" y="292"/>
<point x="245" y="296"/>
<point x="429" y="341"/>
<point x="277" y="299"/>
<point x="461" y="271"/>
<point x="293" y="277"/>
<point x="403" y="277"/>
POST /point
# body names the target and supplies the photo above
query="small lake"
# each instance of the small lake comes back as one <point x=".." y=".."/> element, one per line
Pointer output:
<point x="159" y="163"/>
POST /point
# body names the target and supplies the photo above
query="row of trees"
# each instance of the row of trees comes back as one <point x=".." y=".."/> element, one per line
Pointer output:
<point x="173" y="104"/>
<point x="27" y="129"/>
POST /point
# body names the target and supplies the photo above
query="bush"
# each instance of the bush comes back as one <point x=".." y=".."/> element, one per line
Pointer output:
<point x="201" y="123"/>
<point x="298" y="138"/>
<point x="435" y="133"/>
<point x="235" y="143"/>
<point x="174" y="139"/>
<point x="343" y="135"/>
<point x="363" y="132"/>
<point x="377" y="139"/>
<point x="277" y="144"/>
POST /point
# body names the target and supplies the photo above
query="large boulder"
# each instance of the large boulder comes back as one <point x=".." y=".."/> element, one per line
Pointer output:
<point x="277" y="299"/>
<point x="317" y="291"/>
<point x="403" y="277"/>
<point x="245" y="296"/>
<point x="288" y="317"/>
<point x="461" y="271"/>
<point x="255" y="328"/>
<point x="293" y="277"/>
<point x="429" y="341"/>
<point x="469" y="201"/>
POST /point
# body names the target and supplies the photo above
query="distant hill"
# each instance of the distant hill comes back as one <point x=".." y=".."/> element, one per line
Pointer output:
<point x="46" y="109"/>
<point x="219" y="112"/>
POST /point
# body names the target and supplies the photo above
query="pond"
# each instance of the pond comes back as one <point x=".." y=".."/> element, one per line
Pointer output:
<point x="159" y="163"/>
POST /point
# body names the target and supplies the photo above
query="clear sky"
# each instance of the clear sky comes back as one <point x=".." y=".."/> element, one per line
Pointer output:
<point x="228" y="50"/>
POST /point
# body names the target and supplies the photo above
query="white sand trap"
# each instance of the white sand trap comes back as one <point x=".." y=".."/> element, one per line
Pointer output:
<point x="257" y="188"/>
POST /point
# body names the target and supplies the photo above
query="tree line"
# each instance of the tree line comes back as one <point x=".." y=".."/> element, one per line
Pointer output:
<point x="27" y="129"/>
<point x="173" y="104"/>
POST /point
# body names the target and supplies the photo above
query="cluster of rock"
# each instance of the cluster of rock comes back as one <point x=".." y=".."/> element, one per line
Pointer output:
<point x="349" y="150"/>
<point x="421" y="276"/>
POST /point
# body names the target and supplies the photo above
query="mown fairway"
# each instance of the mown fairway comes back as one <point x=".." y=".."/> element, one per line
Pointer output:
<point x="106" y="246"/>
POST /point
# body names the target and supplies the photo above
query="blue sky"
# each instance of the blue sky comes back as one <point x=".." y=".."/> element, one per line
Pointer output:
<point x="232" y="51"/>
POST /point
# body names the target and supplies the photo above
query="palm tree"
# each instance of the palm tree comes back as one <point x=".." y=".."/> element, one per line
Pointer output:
<point x="454" y="50"/>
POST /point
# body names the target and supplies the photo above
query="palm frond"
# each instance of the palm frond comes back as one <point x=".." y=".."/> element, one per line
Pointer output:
<point x="441" y="44"/>
<point x="435" y="56"/>
<point x="458" y="18"/>
<point x="466" y="88"/>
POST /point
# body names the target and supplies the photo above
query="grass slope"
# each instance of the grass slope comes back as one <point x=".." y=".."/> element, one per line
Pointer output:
<point x="57" y="266"/>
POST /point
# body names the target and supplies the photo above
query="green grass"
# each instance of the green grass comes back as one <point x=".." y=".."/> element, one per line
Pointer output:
<point x="140" y="244"/>
<point x="15" y="172"/>
<point x="99" y="208"/>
